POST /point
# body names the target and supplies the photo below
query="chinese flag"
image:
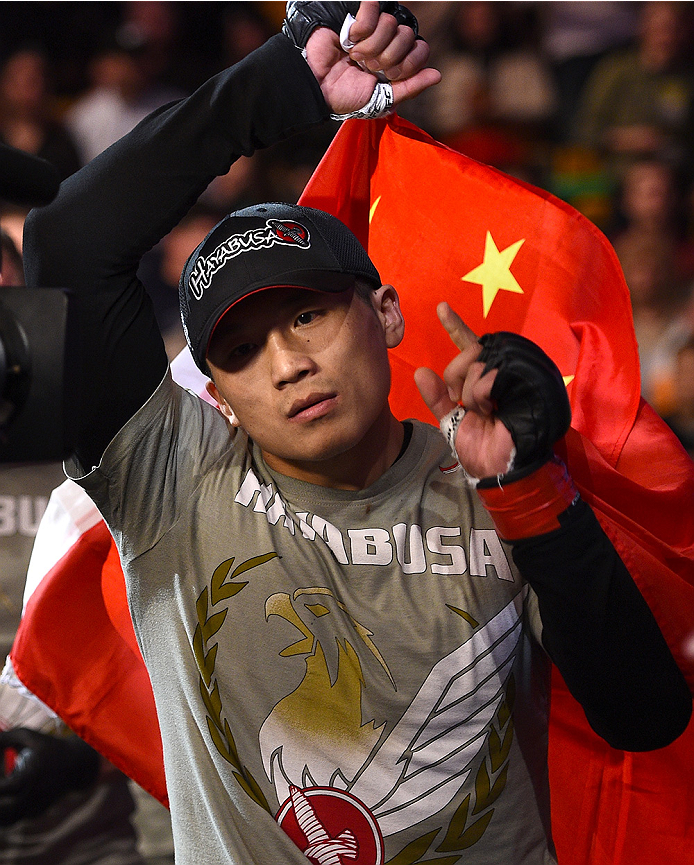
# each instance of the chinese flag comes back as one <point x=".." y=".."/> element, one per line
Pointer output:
<point x="508" y="256"/>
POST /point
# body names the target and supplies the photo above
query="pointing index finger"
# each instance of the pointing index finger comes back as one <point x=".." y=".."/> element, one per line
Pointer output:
<point x="455" y="327"/>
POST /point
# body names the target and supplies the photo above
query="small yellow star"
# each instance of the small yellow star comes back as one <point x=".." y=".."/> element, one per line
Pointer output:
<point x="494" y="274"/>
<point x="373" y="207"/>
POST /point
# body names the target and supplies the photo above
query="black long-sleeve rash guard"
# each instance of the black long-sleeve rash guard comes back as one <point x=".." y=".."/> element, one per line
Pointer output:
<point x="597" y="627"/>
<point x="601" y="634"/>
<point x="91" y="238"/>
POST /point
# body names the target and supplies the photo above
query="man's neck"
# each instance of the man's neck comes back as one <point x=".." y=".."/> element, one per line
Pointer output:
<point x="356" y="468"/>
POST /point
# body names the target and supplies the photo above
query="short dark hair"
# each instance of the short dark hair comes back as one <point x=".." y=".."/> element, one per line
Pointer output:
<point x="364" y="289"/>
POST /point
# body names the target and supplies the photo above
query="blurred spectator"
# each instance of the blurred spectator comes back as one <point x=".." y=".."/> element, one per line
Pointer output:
<point x="578" y="175"/>
<point x="11" y="267"/>
<point x="26" y="116"/>
<point x="434" y="21"/>
<point x="662" y="312"/>
<point x="65" y="32"/>
<point x="242" y="186"/>
<point x="161" y="269"/>
<point x="244" y="28"/>
<point x="124" y="90"/>
<point x="575" y="36"/>
<point x="287" y="166"/>
<point x="638" y="102"/>
<point x="12" y="218"/>
<point x="648" y="198"/>
<point x="651" y="206"/>
<point x="488" y="74"/>
<point x="496" y="94"/>
<point x="681" y="417"/>
<point x="153" y="28"/>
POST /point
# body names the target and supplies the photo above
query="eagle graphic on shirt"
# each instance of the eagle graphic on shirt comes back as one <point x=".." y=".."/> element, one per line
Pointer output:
<point x="315" y="745"/>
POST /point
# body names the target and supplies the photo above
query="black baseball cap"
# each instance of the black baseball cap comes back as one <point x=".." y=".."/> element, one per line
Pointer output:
<point x="266" y="246"/>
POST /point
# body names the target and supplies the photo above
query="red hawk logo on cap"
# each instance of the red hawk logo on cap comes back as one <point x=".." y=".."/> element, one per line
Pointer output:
<point x="291" y="232"/>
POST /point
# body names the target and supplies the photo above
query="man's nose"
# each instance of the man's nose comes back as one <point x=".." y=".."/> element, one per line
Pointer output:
<point x="290" y="360"/>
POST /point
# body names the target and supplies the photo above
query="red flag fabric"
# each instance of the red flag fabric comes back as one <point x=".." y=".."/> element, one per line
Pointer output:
<point x="76" y="651"/>
<point x="508" y="256"/>
<point x="75" y="648"/>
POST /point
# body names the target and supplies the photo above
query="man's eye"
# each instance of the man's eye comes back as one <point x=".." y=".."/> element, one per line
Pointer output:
<point x="306" y="317"/>
<point x="241" y="351"/>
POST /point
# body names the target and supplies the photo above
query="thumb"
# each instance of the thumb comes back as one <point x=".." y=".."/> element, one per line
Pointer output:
<point x="408" y="88"/>
<point x="434" y="392"/>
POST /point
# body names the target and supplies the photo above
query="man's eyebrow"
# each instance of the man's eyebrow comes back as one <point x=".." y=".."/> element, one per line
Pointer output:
<point x="296" y="298"/>
<point x="300" y="296"/>
<point x="289" y="299"/>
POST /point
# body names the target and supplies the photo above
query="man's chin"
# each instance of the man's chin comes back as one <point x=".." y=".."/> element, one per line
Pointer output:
<point x="311" y="458"/>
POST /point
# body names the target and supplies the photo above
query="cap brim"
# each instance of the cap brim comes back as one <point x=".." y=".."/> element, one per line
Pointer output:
<point x="325" y="281"/>
<point x="26" y="179"/>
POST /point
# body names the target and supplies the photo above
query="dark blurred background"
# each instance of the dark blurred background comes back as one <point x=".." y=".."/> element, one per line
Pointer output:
<point x="593" y="101"/>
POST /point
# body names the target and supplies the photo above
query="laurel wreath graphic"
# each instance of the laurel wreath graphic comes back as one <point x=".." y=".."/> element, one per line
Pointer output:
<point x="222" y="588"/>
<point x="466" y="828"/>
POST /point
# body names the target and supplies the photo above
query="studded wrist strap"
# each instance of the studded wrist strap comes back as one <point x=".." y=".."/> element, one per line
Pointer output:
<point x="531" y="506"/>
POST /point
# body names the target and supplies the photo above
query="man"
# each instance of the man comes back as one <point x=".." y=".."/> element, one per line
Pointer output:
<point x="347" y="663"/>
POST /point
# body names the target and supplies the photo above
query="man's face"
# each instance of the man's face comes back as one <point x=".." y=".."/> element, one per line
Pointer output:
<point x="306" y="374"/>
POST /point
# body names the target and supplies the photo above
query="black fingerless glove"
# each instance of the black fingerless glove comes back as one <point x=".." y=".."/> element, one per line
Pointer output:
<point x="304" y="16"/>
<point x="531" y="401"/>
<point x="530" y="396"/>
<point x="45" y="768"/>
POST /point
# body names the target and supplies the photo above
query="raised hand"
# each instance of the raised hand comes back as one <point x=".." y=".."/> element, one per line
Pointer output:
<point x="382" y="49"/>
<point x="514" y="395"/>
<point x="483" y="443"/>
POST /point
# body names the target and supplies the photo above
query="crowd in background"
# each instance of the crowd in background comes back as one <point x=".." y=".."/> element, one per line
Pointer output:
<point x="593" y="101"/>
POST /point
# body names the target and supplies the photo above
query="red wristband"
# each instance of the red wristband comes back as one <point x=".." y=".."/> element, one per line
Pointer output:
<point x="531" y="506"/>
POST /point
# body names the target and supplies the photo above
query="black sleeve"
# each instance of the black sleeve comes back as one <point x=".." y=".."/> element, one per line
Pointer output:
<point x="601" y="634"/>
<point x="91" y="238"/>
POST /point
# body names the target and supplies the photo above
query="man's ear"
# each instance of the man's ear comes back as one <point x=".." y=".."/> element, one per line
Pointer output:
<point x="222" y="404"/>
<point x="386" y="302"/>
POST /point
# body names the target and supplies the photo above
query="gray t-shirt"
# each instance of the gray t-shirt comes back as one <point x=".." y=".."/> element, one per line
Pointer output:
<point x="358" y="668"/>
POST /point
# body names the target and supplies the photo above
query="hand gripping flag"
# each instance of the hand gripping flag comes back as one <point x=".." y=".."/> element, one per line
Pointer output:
<point x="508" y="256"/>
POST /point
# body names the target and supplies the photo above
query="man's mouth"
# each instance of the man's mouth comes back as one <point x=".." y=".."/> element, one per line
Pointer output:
<point x="313" y="406"/>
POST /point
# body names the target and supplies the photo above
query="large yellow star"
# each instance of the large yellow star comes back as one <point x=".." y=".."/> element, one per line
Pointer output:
<point x="494" y="274"/>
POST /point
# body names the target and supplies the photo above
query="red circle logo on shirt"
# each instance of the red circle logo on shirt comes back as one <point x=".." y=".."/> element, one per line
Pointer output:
<point x="330" y="826"/>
